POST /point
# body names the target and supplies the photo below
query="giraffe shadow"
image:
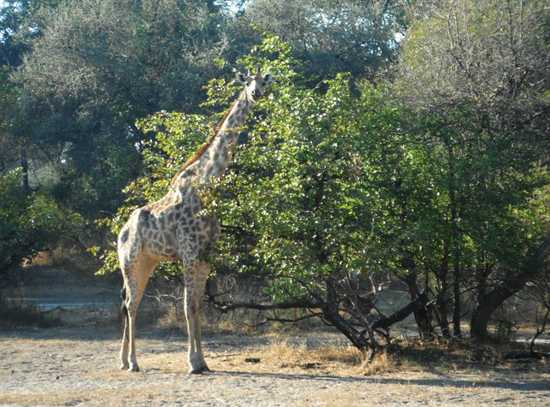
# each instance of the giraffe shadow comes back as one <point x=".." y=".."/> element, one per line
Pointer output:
<point x="287" y="376"/>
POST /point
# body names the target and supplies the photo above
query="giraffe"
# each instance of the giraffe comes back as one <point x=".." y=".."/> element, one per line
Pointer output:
<point x="171" y="229"/>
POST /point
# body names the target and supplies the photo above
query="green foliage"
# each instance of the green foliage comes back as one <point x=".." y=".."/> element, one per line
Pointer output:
<point x="476" y="71"/>
<point x="95" y="68"/>
<point x="297" y="205"/>
<point x="29" y="223"/>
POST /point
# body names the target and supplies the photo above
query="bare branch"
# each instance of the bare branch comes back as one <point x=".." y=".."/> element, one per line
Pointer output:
<point x="230" y="306"/>
<point x="309" y="316"/>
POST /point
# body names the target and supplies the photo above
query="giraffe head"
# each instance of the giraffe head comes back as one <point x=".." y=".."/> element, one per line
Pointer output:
<point x="254" y="84"/>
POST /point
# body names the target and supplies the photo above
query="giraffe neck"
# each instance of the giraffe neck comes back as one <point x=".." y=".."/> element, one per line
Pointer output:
<point x="236" y="116"/>
<point x="219" y="153"/>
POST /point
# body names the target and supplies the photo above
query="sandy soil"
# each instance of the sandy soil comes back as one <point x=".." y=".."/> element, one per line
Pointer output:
<point x="79" y="367"/>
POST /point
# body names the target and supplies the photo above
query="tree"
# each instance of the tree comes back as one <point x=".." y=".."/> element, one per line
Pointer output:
<point x="97" y="67"/>
<point x="30" y="219"/>
<point x="20" y="23"/>
<point x="30" y="223"/>
<point x="478" y="68"/>
<point x="333" y="36"/>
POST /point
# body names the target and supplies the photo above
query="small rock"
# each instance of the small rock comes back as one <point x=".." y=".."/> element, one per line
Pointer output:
<point x="312" y="365"/>
<point x="252" y="360"/>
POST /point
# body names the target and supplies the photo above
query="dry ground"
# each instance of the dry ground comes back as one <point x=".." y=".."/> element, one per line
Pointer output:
<point x="78" y="367"/>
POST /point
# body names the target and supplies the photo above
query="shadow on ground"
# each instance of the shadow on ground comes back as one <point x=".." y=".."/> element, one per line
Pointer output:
<point x="529" y="385"/>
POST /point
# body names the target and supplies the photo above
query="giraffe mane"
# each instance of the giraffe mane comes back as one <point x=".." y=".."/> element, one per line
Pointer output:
<point x="204" y="146"/>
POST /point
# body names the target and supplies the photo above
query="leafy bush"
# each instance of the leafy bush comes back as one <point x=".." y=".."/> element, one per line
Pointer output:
<point x="30" y="222"/>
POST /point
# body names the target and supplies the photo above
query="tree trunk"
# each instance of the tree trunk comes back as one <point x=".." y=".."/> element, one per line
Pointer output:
<point x="24" y="170"/>
<point x="401" y="314"/>
<point x="331" y="314"/>
<point x="441" y="304"/>
<point x="494" y="299"/>
<point x="508" y="287"/>
<point x="457" y="313"/>
<point x="455" y="232"/>
<point x="442" y="312"/>
<point x="481" y="278"/>
<point x="421" y="313"/>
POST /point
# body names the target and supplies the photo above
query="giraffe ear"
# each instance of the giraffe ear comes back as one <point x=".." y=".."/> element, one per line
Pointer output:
<point x="268" y="78"/>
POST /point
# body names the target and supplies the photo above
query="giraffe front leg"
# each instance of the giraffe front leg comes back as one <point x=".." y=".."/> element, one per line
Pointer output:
<point x="195" y="281"/>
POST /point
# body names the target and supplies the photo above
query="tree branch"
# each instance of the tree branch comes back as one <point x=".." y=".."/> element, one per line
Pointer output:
<point x="385" y="323"/>
<point x="230" y="306"/>
<point x="312" y="315"/>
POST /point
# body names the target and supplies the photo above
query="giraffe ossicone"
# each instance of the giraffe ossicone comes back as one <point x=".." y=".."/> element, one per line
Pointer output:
<point x="175" y="229"/>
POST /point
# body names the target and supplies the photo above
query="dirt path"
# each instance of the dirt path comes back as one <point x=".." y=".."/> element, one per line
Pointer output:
<point x="78" y="367"/>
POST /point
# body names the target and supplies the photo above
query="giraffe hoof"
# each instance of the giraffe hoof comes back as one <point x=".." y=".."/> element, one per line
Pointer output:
<point x="199" y="370"/>
<point x="133" y="368"/>
<point x="123" y="366"/>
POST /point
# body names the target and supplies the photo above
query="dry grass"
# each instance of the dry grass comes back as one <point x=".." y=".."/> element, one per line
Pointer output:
<point x="382" y="363"/>
<point x="282" y="355"/>
<point x="282" y="349"/>
<point x="413" y="356"/>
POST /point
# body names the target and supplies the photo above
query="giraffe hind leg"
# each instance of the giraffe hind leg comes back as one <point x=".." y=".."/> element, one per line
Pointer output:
<point x="135" y="282"/>
<point x="124" y="346"/>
